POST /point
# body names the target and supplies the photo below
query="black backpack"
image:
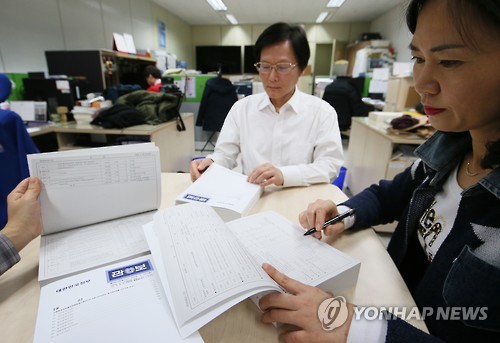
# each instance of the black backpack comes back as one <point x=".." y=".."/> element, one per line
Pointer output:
<point x="168" y="87"/>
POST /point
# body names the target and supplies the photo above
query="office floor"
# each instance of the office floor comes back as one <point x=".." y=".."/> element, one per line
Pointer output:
<point x="384" y="237"/>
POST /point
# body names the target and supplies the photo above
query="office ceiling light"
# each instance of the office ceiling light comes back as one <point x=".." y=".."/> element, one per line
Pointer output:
<point x="335" y="3"/>
<point x="322" y="16"/>
<point x="231" y="19"/>
<point x="217" y="5"/>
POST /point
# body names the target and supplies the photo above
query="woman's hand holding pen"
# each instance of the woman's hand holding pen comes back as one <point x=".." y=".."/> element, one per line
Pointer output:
<point x="317" y="214"/>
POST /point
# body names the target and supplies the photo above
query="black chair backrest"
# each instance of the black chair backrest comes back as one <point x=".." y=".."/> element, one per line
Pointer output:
<point x="346" y="100"/>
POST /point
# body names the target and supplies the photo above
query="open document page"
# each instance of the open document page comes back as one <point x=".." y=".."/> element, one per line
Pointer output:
<point x="271" y="238"/>
<point x="207" y="269"/>
<point x="73" y="251"/>
<point x="87" y="186"/>
<point x="210" y="266"/>
<point x="227" y="191"/>
<point x="103" y="195"/>
<point x="122" y="302"/>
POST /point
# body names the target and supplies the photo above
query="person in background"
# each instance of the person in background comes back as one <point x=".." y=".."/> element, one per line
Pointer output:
<point x="24" y="222"/>
<point x="153" y="78"/>
<point x="447" y="242"/>
<point x="285" y="137"/>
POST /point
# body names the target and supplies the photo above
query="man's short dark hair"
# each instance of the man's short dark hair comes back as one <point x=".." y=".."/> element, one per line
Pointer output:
<point x="152" y="70"/>
<point x="281" y="32"/>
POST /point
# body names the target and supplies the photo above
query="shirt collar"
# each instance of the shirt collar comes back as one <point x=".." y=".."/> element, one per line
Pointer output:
<point x="293" y="102"/>
<point x="444" y="150"/>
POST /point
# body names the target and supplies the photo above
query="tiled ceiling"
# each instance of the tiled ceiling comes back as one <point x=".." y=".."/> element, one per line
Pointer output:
<point x="199" y="12"/>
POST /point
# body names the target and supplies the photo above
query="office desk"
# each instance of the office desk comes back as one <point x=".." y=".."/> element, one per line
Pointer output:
<point x="379" y="282"/>
<point x="371" y="158"/>
<point x="176" y="148"/>
<point x="370" y="153"/>
<point x="376" y="103"/>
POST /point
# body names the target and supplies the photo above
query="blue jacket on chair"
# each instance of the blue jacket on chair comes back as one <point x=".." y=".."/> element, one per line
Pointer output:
<point x="15" y="144"/>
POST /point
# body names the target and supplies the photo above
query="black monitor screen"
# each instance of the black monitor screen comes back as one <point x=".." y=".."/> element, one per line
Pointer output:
<point x="249" y="60"/>
<point x="48" y="90"/>
<point x="209" y="58"/>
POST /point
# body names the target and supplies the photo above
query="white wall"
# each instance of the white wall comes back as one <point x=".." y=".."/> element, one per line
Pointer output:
<point x="28" y="28"/>
<point x="248" y="34"/>
<point x="392" y="26"/>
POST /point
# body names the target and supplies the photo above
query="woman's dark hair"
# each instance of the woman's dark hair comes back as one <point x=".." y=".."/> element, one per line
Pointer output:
<point x="280" y="32"/>
<point x="464" y="13"/>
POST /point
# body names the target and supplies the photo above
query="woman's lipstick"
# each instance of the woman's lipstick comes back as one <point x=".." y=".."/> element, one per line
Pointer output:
<point x="432" y="111"/>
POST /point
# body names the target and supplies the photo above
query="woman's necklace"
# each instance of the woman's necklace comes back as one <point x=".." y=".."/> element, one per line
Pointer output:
<point x="472" y="174"/>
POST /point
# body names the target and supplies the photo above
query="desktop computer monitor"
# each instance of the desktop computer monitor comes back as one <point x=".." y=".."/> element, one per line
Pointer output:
<point x="212" y="58"/>
<point x="249" y="60"/>
<point x="56" y="92"/>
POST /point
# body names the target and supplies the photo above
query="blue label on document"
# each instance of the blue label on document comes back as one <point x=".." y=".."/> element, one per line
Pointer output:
<point x="195" y="198"/>
<point x="130" y="270"/>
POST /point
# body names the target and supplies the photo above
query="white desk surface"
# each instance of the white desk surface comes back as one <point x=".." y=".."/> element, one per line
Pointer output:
<point x="381" y="129"/>
<point x="379" y="283"/>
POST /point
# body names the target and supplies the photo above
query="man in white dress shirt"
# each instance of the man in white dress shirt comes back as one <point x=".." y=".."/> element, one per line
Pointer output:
<point x="285" y="137"/>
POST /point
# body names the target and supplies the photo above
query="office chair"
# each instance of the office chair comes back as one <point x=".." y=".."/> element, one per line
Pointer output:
<point x="15" y="144"/>
<point x="217" y="99"/>
<point x="346" y="100"/>
<point x="339" y="181"/>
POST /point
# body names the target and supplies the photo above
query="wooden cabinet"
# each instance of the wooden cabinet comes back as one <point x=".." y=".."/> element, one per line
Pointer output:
<point x="370" y="155"/>
<point x="401" y="94"/>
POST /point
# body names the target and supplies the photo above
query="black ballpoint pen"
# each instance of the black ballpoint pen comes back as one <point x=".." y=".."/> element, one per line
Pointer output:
<point x="335" y="219"/>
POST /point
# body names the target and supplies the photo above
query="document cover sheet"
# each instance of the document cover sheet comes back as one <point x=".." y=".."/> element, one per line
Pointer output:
<point x="123" y="302"/>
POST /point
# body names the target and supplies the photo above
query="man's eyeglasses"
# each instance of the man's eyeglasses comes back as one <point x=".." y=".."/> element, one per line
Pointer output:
<point x="281" y="68"/>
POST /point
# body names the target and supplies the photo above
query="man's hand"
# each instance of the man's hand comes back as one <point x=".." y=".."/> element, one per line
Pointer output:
<point x="265" y="175"/>
<point x="197" y="167"/>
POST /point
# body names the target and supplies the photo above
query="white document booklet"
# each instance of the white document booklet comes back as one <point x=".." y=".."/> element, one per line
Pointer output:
<point x="207" y="266"/>
<point x="123" y="302"/>
<point x="87" y="201"/>
<point x="227" y="191"/>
